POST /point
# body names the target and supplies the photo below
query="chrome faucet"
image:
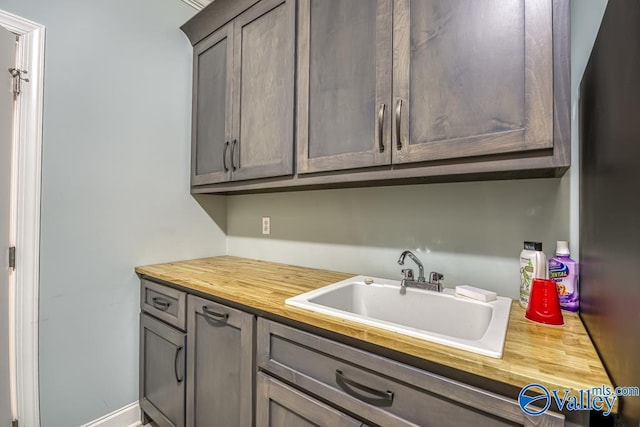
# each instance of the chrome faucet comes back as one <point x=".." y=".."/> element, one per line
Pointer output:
<point x="408" y="280"/>
<point x="414" y="259"/>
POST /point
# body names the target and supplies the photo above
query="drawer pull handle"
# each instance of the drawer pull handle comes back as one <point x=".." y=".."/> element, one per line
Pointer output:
<point x="214" y="315"/>
<point x="382" y="398"/>
<point x="381" y="127"/>
<point x="224" y="156"/>
<point x="233" y="156"/>
<point x="175" y="365"/>
<point x="161" y="303"/>
<point x="398" y="123"/>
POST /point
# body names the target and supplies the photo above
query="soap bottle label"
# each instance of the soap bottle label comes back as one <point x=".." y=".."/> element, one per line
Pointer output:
<point x="563" y="270"/>
<point x="533" y="265"/>
<point x="526" y="276"/>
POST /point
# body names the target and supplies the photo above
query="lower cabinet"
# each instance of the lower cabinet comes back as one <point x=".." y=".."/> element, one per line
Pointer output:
<point x="377" y="390"/>
<point x="161" y="372"/>
<point x="227" y="369"/>
<point x="279" y="405"/>
<point x="220" y="365"/>
<point x="203" y="377"/>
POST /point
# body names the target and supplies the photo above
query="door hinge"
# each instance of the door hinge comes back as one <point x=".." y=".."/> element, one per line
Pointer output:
<point x="12" y="257"/>
<point x="14" y="423"/>
<point x="18" y="78"/>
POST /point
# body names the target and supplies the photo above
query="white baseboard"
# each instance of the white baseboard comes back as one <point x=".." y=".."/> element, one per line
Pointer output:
<point x="128" y="416"/>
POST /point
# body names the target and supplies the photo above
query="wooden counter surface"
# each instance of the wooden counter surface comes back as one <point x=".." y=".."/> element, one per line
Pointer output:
<point x="556" y="357"/>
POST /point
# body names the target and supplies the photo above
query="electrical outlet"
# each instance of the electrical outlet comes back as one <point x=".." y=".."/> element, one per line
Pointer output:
<point x="266" y="225"/>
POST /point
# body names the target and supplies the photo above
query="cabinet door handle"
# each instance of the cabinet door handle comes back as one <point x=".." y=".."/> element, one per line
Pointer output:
<point x="161" y="303"/>
<point x="224" y="156"/>
<point x="381" y="127"/>
<point x="214" y="315"/>
<point x="398" y="123"/>
<point x="380" y="398"/>
<point x="233" y="151"/>
<point x="175" y="365"/>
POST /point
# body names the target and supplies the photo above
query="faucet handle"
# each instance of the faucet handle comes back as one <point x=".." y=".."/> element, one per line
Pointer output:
<point x="408" y="273"/>
<point x="435" y="277"/>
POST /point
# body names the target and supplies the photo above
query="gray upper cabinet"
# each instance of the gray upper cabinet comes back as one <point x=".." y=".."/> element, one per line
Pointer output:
<point x="471" y="78"/>
<point x="378" y="92"/>
<point x="344" y="84"/>
<point x="220" y="365"/>
<point x="243" y="97"/>
<point x="211" y="118"/>
<point x="264" y="60"/>
<point x="468" y="78"/>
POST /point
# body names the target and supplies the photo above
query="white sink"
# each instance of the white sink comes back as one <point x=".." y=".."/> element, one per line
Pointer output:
<point x="440" y="317"/>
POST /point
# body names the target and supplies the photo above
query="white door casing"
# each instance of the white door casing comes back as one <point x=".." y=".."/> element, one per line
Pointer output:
<point x="27" y="150"/>
<point x="7" y="60"/>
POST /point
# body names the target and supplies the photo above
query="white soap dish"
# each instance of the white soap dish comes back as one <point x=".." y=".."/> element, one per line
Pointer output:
<point x="476" y="293"/>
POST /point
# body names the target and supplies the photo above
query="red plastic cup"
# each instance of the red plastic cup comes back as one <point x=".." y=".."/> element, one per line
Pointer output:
<point x="544" y="305"/>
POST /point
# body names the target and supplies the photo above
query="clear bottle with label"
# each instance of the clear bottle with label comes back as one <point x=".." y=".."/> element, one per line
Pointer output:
<point x="564" y="271"/>
<point x="533" y="265"/>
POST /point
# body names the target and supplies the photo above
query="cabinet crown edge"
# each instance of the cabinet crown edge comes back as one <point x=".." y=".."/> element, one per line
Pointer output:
<point x="212" y="17"/>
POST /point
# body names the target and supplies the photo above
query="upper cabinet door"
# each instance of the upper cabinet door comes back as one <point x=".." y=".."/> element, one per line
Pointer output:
<point x="211" y="128"/>
<point x="471" y="78"/>
<point x="344" y="84"/>
<point x="263" y="100"/>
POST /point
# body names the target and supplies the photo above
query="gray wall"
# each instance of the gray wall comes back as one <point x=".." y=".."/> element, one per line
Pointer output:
<point x="470" y="232"/>
<point x="114" y="190"/>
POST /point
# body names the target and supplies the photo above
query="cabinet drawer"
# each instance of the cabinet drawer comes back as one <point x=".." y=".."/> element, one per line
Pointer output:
<point x="381" y="390"/>
<point x="165" y="303"/>
<point x="280" y="405"/>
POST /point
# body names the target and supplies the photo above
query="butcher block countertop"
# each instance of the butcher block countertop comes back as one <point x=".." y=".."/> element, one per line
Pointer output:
<point x="556" y="357"/>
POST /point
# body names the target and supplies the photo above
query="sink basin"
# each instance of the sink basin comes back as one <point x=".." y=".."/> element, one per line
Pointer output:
<point x="440" y="317"/>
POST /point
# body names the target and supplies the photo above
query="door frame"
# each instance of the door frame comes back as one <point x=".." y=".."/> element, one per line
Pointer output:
<point x="27" y="144"/>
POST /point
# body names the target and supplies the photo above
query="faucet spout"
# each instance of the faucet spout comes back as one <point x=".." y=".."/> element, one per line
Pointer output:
<point x="415" y="259"/>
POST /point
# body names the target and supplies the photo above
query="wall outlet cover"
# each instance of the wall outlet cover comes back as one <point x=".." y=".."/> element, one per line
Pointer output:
<point x="266" y="225"/>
